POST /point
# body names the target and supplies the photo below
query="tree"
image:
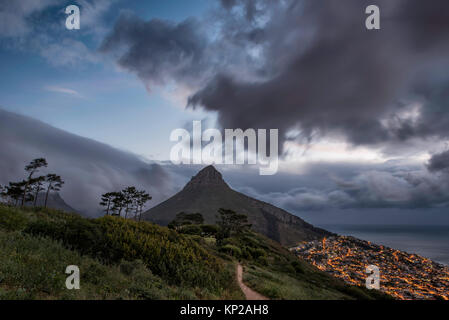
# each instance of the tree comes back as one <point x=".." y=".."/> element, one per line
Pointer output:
<point x="15" y="192"/>
<point x="184" y="219"/>
<point x="3" y="193"/>
<point x="54" y="183"/>
<point x="230" y="222"/>
<point x="118" y="203"/>
<point x="32" y="168"/>
<point x="106" y="201"/>
<point x="37" y="187"/>
<point x="129" y="199"/>
<point x="142" y="198"/>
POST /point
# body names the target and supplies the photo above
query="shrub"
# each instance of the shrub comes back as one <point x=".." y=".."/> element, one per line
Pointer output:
<point x="12" y="219"/>
<point x="128" y="267"/>
<point x="299" y="269"/>
<point x="191" y="229"/>
<point x="166" y="253"/>
<point x="231" y="250"/>
<point x="34" y="268"/>
<point x="209" y="230"/>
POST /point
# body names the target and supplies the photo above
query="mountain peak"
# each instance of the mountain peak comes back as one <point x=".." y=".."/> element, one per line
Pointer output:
<point x="208" y="176"/>
<point x="207" y="192"/>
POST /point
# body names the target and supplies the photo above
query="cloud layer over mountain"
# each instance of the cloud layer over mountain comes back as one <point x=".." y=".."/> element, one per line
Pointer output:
<point x="89" y="168"/>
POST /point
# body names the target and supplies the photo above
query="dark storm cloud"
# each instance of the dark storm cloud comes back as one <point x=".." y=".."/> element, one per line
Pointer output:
<point x="342" y="79"/>
<point x="89" y="168"/>
<point x="307" y="65"/>
<point x="157" y="50"/>
<point x="439" y="162"/>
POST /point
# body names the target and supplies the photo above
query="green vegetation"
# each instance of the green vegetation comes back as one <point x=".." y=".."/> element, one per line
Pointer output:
<point x="231" y="223"/>
<point x="118" y="258"/>
<point x="33" y="268"/>
<point x="185" y="219"/>
<point x="192" y="224"/>
<point x="126" y="259"/>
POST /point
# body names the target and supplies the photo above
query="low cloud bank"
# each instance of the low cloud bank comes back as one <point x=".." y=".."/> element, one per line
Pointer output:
<point x="89" y="168"/>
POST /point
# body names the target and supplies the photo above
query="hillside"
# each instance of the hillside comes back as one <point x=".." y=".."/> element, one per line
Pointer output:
<point x="124" y="259"/>
<point x="54" y="201"/>
<point x="207" y="192"/>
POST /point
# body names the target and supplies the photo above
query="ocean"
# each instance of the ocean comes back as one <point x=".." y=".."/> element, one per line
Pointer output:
<point x="428" y="241"/>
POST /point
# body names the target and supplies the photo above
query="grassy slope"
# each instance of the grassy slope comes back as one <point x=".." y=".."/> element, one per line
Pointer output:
<point x="122" y="259"/>
<point x="118" y="259"/>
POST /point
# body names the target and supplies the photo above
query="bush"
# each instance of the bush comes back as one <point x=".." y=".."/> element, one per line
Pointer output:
<point x="231" y="250"/>
<point x="128" y="267"/>
<point x="83" y="235"/>
<point x="191" y="229"/>
<point x="12" y="219"/>
<point x="209" y="230"/>
<point x="34" y="268"/>
<point x="299" y="269"/>
<point x="166" y="253"/>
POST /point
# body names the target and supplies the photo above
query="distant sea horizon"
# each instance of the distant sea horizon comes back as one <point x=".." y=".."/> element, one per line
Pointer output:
<point x="429" y="241"/>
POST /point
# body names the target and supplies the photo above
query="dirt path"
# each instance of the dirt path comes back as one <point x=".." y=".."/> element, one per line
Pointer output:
<point x="248" y="292"/>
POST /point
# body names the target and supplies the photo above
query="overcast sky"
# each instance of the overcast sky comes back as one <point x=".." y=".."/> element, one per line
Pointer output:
<point x="363" y="115"/>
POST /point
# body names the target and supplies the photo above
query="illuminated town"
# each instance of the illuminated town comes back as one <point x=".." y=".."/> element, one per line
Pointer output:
<point x="404" y="276"/>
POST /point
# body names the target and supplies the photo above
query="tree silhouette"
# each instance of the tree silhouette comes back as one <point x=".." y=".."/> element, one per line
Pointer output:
<point x="142" y="198"/>
<point x="107" y="200"/>
<point x="15" y="191"/>
<point x="32" y="168"/>
<point x="129" y="199"/>
<point x="28" y="190"/>
<point x="54" y="183"/>
<point x="118" y="203"/>
<point x="37" y="187"/>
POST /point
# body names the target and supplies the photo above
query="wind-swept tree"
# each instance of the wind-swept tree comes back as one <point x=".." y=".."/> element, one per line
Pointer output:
<point x="129" y="199"/>
<point x="32" y="168"/>
<point x="118" y="203"/>
<point x="142" y="198"/>
<point x="15" y="192"/>
<point x="37" y="186"/>
<point x="107" y="201"/>
<point x="54" y="183"/>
